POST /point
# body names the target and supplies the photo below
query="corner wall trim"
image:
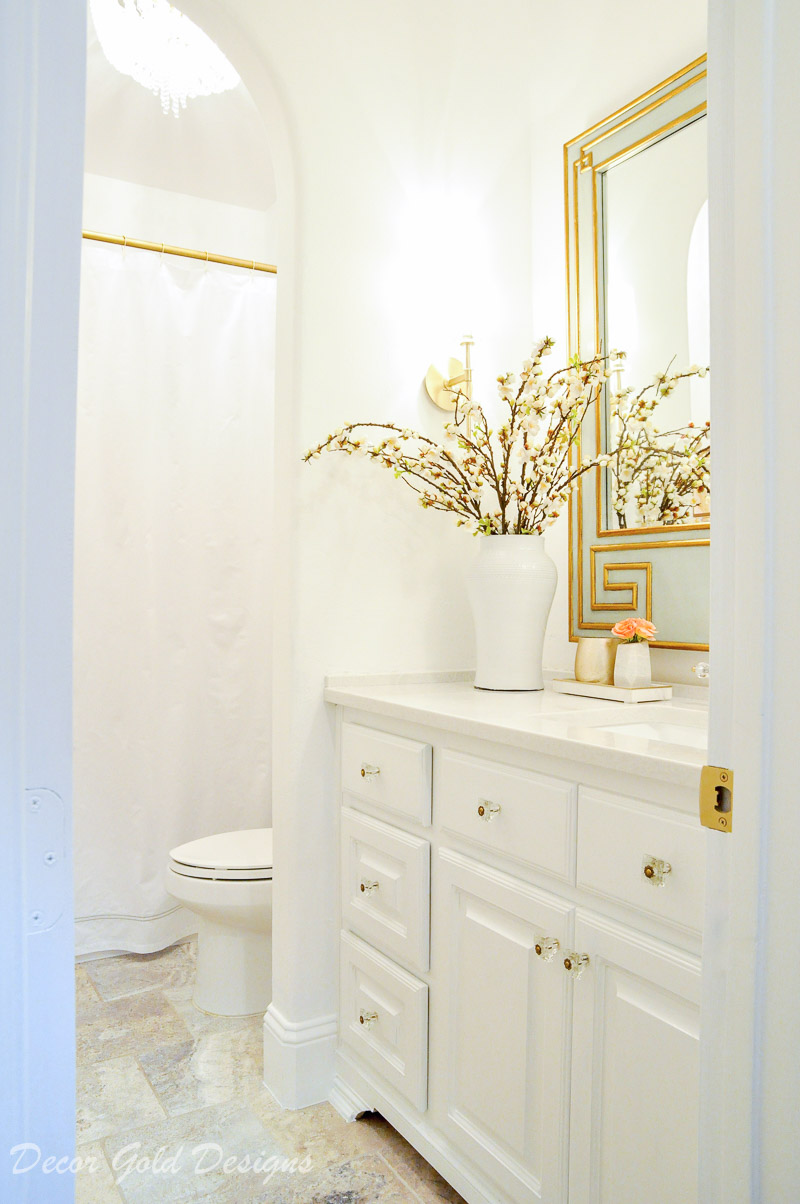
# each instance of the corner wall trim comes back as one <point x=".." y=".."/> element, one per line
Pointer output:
<point x="299" y="1058"/>
<point x="299" y="1032"/>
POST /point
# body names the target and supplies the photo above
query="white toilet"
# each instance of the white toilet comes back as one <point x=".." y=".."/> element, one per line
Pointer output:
<point x="227" y="881"/>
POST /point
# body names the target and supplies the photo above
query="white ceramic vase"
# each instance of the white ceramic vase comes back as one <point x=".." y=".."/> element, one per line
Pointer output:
<point x="511" y="589"/>
<point x="632" y="665"/>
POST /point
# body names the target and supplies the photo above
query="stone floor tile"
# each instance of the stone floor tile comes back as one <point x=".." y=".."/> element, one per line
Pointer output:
<point x="117" y="977"/>
<point x="427" y="1183"/>
<point x="411" y="1167"/>
<point x="113" y="1096"/>
<point x="206" y="1070"/>
<point x="130" y="1025"/>
<point x="158" y="1078"/>
<point x="85" y="993"/>
<point x="94" y="1182"/>
<point x="203" y="1022"/>
<point x="368" y="1180"/>
<point x="186" y="1156"/>
<point x="319" y="1132"/>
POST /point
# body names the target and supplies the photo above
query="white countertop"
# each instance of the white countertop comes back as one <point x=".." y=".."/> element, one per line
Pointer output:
<point x="560" y="725"/>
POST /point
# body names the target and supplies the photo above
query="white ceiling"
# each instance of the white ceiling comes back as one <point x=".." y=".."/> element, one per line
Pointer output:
<point x="216" y="149"/>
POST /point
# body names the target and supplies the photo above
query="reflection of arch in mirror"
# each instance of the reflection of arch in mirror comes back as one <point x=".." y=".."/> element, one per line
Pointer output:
<point x="650" y="203"/>
<point x="697" y="316"/>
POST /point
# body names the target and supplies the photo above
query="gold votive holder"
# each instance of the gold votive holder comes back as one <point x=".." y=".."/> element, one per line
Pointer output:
<point x="594" y="659"/>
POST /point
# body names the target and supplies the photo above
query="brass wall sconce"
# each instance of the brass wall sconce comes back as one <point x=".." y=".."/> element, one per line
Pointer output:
<point x="444" y="393"/>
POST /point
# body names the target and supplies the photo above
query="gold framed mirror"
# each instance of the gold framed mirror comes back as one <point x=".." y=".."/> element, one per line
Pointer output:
<point x="637" y="281"/>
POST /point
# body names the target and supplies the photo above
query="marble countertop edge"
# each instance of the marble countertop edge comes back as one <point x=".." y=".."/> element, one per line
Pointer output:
<point x="421" y="702"/>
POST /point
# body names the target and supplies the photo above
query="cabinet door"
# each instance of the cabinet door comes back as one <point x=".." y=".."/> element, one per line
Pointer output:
<point x="499" y="1027"/>
<point x="635" y="1069"/>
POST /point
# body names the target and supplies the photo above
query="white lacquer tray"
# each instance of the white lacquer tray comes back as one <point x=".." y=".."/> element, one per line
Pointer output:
<point x="657" y="691"/>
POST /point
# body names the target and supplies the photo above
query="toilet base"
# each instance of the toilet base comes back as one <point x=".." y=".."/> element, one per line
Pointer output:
<point x="234" y="970"/>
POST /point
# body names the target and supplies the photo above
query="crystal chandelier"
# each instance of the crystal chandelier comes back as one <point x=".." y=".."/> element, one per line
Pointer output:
<point x="162" y="50"/>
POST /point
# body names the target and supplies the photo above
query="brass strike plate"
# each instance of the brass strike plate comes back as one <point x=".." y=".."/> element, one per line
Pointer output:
<point x="716" y="798"/>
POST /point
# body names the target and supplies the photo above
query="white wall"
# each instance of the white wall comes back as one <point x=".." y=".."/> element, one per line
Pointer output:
<point x="408" y="138"/>
<point x="413" y="161"/>
<point x="592" y="59"/>
<point x="113" y="206"/>
<point x="418" y="176"/>
<point x="410" y="133"/>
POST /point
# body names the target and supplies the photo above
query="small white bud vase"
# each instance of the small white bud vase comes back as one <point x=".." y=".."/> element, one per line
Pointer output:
<point x="632" y="665"/>
<point x="511" y="588"/>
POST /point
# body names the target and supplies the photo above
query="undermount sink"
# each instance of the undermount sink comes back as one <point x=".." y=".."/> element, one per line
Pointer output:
<point x="648" y="721"/>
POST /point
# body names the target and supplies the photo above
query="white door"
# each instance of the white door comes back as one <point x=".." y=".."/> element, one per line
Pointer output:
<point x="635" y="1069"/>
<point x="751" y="968"/>
<point x="498" y="1026"/>
<point x="42" y="49"/>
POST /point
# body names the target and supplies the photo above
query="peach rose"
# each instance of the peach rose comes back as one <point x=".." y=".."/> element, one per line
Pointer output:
<point x="633" y="630"/>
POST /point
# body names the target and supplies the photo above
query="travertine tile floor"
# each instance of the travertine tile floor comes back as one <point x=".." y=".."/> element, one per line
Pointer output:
<point x="171" y="1107"/>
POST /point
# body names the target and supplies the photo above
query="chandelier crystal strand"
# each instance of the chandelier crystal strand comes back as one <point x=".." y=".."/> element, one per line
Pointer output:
<point x="161" y="49"/>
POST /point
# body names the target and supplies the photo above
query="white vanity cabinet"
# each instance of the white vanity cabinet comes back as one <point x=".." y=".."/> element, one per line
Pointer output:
<point x="543" y="1046"/>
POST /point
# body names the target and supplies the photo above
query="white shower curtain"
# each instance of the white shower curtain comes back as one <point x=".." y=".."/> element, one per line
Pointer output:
<point x="172" y="631"/>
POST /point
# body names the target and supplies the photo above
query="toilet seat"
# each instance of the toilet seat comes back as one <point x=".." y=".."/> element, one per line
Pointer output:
<point x="231" y="856"/>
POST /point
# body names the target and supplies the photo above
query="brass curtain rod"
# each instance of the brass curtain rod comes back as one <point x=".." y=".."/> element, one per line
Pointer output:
<point x="184" y="252"/>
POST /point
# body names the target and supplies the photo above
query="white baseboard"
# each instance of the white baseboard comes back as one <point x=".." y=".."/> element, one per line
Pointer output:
<point x="347" y="1102"/>
<point x="299" y="1058"/>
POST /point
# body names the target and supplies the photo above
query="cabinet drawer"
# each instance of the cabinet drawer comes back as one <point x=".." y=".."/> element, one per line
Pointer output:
<point x="389" y="770"/>
<point x="384" y="1017"/>
<point x="617" y="836"/>
<point x="386" y="887"/>
<point x="522" y="814"/>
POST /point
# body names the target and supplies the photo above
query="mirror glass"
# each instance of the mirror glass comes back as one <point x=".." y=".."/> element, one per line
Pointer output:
<point x="655" y="308"/>
<point x="637" y="279"/>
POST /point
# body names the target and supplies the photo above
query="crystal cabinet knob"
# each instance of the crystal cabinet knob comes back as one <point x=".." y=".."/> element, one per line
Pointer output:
<point x="366" y="887"/>
<point x="576" y="963"/>
<point x="369" y="771"/>
<point x="546" y="948"/>
<point x="655" y="870"/>
<point x="487" y="810"/>
<point x="367" y="1018"/>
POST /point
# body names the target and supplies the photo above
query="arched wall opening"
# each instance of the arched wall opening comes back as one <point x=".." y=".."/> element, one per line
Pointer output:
<point x="206" y="174"/>
<point x="205" y="181"/>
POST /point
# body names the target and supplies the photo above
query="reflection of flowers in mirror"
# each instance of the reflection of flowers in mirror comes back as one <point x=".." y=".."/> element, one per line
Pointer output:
<point x="634" y="631"/>
<point x="659" y="477"/>
<point x="510" y="481"/>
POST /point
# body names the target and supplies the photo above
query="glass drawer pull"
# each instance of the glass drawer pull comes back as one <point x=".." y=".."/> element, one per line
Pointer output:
<point x="488" y="810"/>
